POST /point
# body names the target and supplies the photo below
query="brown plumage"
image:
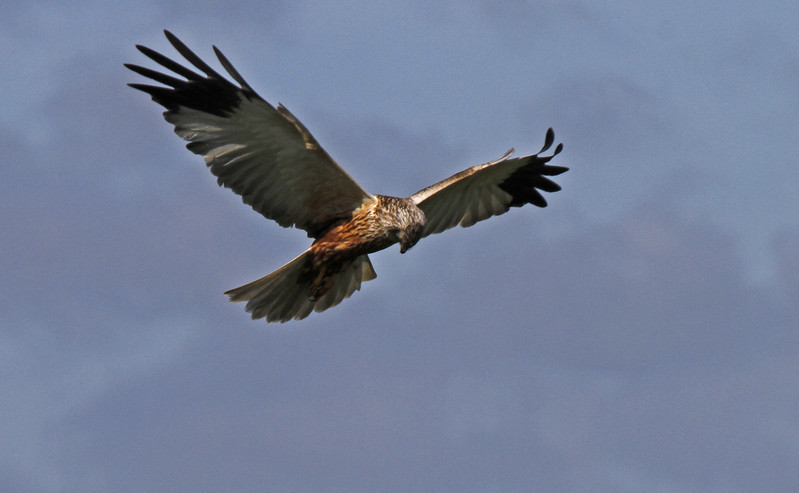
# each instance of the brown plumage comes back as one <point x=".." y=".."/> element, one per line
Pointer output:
<point x="264" y="154"/>
<point x="373" y="227"/>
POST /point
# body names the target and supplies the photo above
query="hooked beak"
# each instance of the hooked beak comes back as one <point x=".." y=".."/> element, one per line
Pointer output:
<point x="404" y="247"/>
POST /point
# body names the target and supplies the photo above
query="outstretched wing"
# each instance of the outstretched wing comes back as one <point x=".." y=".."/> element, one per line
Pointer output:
<point x="489" y="189"/>
<point x="260" y="152"/>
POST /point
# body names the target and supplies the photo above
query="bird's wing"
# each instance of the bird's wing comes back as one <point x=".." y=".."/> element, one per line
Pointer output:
<point x="488" y="189"/>
<point x="260" y="152"/>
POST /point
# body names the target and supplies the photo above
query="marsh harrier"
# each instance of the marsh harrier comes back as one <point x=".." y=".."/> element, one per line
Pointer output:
<point x="264" y="154"/>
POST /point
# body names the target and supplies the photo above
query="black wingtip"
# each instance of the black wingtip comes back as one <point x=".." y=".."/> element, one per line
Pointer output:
<point x="550" y="170"/>
<point x="231" y="70"/>
<point x="548" y="140"/>
<point x="189" y="55"/>
<point x="171" y="37"/>
<point x="525" y="184"/>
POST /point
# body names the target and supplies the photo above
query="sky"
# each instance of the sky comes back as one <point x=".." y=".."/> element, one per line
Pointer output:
<point x="639" y="334"/>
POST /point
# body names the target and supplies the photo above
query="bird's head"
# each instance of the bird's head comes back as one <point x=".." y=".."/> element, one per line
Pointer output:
<point x="409" y="236"/>
<point x="413" y="221"/>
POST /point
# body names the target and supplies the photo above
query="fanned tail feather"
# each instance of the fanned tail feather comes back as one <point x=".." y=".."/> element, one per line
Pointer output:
<point x="283" y="294"/>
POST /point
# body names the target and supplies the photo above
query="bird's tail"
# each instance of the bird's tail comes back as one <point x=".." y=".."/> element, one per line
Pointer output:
<point x="285" y="294"/>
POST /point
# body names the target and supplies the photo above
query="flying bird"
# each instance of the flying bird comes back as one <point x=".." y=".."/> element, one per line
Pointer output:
<point x="267" y="156"/>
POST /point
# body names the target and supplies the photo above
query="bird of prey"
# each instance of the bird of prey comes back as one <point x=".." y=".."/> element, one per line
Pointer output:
<point x="264" y="154"/>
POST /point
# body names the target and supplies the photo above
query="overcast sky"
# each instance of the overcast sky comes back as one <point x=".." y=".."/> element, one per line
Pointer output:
<point x="639" y="334"/>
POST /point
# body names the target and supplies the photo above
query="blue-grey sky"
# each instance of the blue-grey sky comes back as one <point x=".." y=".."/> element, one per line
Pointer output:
<point x="640" y="334"/>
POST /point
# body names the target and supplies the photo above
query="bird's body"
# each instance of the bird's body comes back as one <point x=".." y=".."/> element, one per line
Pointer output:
<point x="375" y="226"/>
<point x="268" y="157"/>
